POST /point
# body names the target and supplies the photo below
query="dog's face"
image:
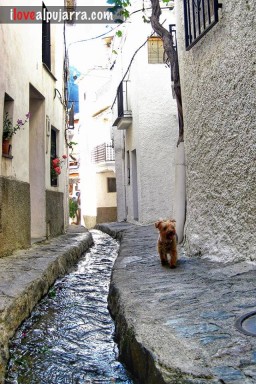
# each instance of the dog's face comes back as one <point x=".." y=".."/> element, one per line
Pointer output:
<point x="167" y="229"/>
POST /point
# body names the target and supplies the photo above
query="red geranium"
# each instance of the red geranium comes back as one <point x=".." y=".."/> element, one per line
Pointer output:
<point x="57" y="170"/>
<point x="56" y="162"/>
<point x="56" y="165"/>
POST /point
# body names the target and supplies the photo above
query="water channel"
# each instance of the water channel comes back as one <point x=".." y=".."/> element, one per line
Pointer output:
<point x="68" y="339"/>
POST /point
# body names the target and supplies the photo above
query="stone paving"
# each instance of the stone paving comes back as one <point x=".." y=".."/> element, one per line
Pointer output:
<point x="178" y="326"/>
<point x="26" y="275"/>
<point x="172" y="326"/>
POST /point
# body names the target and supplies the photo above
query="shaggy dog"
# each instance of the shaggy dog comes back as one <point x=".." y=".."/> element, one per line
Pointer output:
<point x="167" y="241"/>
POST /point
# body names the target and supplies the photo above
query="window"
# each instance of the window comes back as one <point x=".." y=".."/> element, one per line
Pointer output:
<point x="111" y="184"/>
<point x="155" y="50"/>
<point x="54" y="179"/>
<point x="46" y="41"/>
<point x="199" y="17"/>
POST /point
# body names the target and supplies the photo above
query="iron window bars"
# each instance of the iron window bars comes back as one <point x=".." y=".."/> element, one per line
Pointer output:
<point x="46" y="42"/>
<point x="199" y="17"/>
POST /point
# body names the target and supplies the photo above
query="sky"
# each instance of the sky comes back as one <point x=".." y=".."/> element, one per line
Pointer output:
<point x="84" y="41"/>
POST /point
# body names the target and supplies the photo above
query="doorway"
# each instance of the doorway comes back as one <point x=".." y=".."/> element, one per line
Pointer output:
<point x="37" y="164"/>
<point x="134" y="185"/>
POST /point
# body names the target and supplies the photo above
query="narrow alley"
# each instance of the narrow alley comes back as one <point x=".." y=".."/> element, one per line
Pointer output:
<point x="128" y="132"/>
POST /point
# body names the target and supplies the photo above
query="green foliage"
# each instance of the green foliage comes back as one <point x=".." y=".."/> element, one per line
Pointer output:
<point x="71" y="145"/>
<point x="119" y="3"/>
<point x="9" y="129"/>
<point x="119" y="7"/>
<point x="125" y="13"/>
<point x="52" y="292"/>
<point x="145" y="19"/>
<point x="73" y="207"/>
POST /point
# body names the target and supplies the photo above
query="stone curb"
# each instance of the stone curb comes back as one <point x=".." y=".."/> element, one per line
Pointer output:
<point x="27" y="275"/>
<point x="178" y="326"/>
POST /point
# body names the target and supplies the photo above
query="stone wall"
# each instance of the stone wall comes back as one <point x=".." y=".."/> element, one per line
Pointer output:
<point x="54" y="213"/>
<point x="14" y="215"/>
<point x="218" y="78"/>
<point x="106" y="214"/>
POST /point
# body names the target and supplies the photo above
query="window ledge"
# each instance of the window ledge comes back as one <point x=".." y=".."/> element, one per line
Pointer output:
<point x="7" y="156"/>
<point x="49" y="71"/>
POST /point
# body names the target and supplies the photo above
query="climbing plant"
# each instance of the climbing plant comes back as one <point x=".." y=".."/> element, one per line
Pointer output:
<point x="122" y="6"/>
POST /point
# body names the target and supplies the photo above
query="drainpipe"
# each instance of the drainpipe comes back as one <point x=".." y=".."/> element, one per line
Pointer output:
<point x="180" y="191"/>
<point x="125" y="178"/>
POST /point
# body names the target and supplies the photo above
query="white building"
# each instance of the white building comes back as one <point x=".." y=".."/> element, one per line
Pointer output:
<point x="218" y="81"/>
<point x="33" y="205"/>
<point x="145" y="117"/>
<point x="97" y="168"/>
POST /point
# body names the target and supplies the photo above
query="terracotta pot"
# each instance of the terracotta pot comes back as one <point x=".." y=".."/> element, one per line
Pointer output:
<point x="6" y="147"/>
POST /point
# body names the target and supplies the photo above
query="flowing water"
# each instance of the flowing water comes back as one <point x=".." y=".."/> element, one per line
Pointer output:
<point x="68" y="338"/>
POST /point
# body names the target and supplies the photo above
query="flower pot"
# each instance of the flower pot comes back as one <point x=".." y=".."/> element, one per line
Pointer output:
<point x="6" y="147"/>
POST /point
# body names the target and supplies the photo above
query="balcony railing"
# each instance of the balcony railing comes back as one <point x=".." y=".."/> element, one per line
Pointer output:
<point x="103" y="153"/>
<point x="121" y="108"/>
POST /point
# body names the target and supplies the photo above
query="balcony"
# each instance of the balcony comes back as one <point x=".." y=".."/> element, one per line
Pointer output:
<point x="121" y="109"/>
<point x="103" y="153"/>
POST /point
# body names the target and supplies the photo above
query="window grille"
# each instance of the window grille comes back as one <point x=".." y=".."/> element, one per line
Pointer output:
<point x="155" y="50"/>
<point x="103" y="152"/>
<point x="121" y="106"/>
<point x="199" y="17"/>
<point x="46" y="42"/>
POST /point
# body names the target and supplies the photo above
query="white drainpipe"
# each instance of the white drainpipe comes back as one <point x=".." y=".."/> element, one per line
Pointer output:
<point x="180" y="191"/>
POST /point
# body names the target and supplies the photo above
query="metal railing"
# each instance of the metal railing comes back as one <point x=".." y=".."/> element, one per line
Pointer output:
<point x="121" y="107"/>
<point x="103" y="153"/>
<point x="199" y="17"/>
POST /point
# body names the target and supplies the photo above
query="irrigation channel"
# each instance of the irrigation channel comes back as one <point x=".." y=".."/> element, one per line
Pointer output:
<point x="68" y="339"/>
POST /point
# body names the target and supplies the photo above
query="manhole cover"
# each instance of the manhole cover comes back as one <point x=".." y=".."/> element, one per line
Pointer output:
<point x="247" y="324"/>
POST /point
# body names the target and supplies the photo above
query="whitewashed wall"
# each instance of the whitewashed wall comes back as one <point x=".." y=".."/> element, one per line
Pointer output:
<point x="21" y="69"/>
<point x="218" y="86"/>
<point x="153" y="133"/>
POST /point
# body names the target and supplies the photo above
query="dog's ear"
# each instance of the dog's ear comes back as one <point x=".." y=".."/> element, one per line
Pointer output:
<point x="173" y="221"/>
<point x="157" y="223"/>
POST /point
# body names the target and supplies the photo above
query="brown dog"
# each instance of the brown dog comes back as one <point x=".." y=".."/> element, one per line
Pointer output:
<point x="167" y="241"/>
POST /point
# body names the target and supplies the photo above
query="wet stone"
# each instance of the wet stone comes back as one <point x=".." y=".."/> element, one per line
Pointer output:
<point x="230" y="375"/>
<point x="69" y="336"/>
<point x="213" y="338"/>
<point x="217" y="315"/>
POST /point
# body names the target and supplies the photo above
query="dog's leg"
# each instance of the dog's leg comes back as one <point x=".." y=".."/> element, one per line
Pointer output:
<point x="173" y="260"/>
<point x="163" y="256"/>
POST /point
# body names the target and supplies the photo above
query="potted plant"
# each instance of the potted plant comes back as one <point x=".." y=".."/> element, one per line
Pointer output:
<point x="56" y="165"/>
<point x="9" y="130"/>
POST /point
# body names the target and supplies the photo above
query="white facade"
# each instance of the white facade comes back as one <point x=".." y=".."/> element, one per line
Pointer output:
<point x="26" y="85"/>
<point x="146" y="150"/>
<point x="218" y="81"/>
<point x="97" y="204"/>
